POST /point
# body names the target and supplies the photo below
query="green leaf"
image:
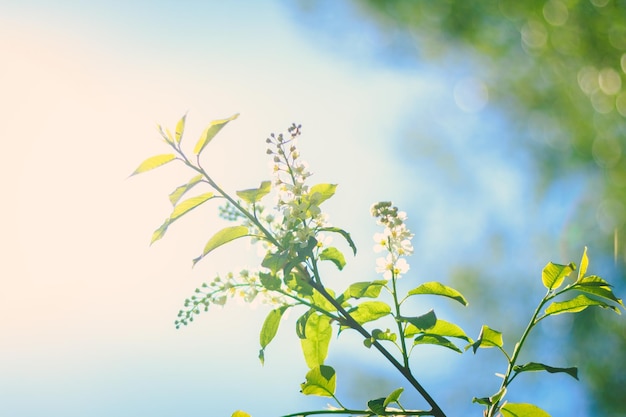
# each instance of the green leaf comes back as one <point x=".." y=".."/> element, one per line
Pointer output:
<point x="189" y="204"/>
<point x="394" y="397"/>
<point x="335" y="256"/>
<point x="487" y="338"/>
<point x="423" y="322"/>
<point x="343" y="233"/>
<point x="576" y="305"/>
<point x="269" y="281"/>
<point x="433" y="339"/>
<point x="370" y="311"/>
<point x="522" y="410"/>
<point x="534" y="366"/>
<point x="597" y="286"/>
<point x="254" y="195"/>
<point x="441" y="328"/>
<point x="240" y="413"/>
<point x="222" y="237"/>
<point x="210" y="132"/>
<point x="154" y="162"/>
<point x="180" y="128"/>
<point x="160" y="232"/>
<point x="181" y="190"/>
<point x="180" y="210"/>
<point x="315" y="345"/>
<point x="553" y="274"/>
<point x="275" y="261"/>
<point x="378" y="334"/>
<point x="320" y="301"/>
<point x="320" y="381"/>
<point x="269" y="329"/>
<point x="584" y="263"/>
<point x="321" y="192"/>
<point x="298" y="282"/>
<point x="301" y="323"/>
<point x="377" y="406"/>
<point x="437" y="288"/>
<point x="367" y="289"/>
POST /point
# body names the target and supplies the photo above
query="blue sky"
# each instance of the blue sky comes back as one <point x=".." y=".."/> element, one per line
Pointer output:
<point x="88" y="313"/>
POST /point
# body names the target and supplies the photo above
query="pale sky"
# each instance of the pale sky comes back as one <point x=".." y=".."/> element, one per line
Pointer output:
<point x="88" y="307"/>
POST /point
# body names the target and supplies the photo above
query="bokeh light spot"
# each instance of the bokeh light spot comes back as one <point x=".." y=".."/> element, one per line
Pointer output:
<point x="606" y="151"/>
<point x="534" y="35"/>
<point x="471" y="95"/>
<point x="599" y="3"/>
<point x="555" y="12"/>
<point x="588" y="79"/>
<point x="601" y="102"/>
<point x="617" y="37"/>
<point x="610" y="81"/>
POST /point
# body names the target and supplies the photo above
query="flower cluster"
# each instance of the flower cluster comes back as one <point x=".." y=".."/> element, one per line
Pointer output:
<point x="395" y="239"/>
<point x="299" y="207"/>
<point x="246" y="285"/>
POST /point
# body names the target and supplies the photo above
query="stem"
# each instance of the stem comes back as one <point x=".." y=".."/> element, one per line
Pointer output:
<point x="232" y="201"/>
<point x="368" y="413"/>
<point x="405" y="356"/>
<point x="349" y="320"/>
<point x="516" y="351"/>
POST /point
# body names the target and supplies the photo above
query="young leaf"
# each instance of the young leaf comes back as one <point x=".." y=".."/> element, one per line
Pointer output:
<point x="343" y="233"/>
<point x="335" y="256"/>
<point x="210" y="132"/>
<point x="222" y="237"/>
<point x="254" y="195"/>
<point x="553" y="274"/>
<point x="423" y="322"/>
<point x="378" y="334"/>
<point x="160" y="232"/>
<point x="167" y="137"/>
<point x="180" y="210"/>
<point x="433" y="339"/>
<point x="597" y="286"/>
<point x="576" y="305"/>
<point x="534" y="366"/>
<point x="522" y="410"/>
<point x="584" y="263"/>
<point x="377" y="406"/>
<point x="180" y="128"/>
<point x="269" y="329"/>
<point x="487" y="338"/>
<point x="181" y="190"/>
<point x="437" y="288"/>
<point x="154" y="162"/>
<point x="370" y="311"/>
<point x="394" y="397"/>
<point x="320" y="381"/>
<point x="189" y="204"/>
<point x="315" y="345"/>
<point x="322" y="192"/>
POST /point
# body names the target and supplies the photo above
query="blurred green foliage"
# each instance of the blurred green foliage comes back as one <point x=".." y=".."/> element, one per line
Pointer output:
<point x="556" y="67"/>
<point x="556" y="70"/>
